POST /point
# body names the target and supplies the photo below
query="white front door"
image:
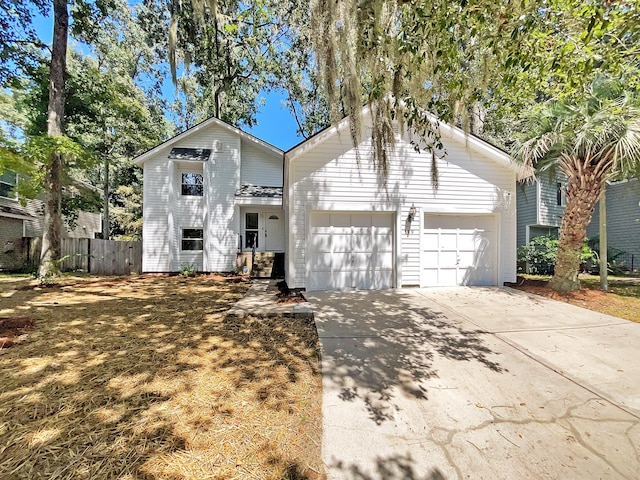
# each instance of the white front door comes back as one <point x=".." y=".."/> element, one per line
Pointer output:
<point x="459" y="250"/>
<point x="274" y="232"/>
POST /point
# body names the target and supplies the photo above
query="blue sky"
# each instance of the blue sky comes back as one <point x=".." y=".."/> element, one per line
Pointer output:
<point x="275" y="124"/>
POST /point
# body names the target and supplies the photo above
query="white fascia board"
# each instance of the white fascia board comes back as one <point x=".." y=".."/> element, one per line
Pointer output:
<point x="259" y="201"/>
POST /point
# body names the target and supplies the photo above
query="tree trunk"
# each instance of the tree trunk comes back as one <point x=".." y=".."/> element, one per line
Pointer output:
<point x="583" y="191"/>
<point x="51" y="243"/>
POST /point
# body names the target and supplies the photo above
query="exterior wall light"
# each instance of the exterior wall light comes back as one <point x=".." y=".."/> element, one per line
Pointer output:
<point x="412" y="213"/>
<point x="410" y="217"/>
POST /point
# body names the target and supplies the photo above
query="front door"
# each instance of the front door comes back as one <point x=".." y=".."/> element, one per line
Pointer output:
<point x="274" y="232"/>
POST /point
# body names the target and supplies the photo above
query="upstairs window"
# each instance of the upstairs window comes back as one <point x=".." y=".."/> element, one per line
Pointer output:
<point x="8" y="182"/>
<point x="559" y="195"/>
<point x="192" y="184"/>
<point x="192" y="239"/>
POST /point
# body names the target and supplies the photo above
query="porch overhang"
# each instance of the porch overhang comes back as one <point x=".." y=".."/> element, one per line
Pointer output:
<point x="259" y="195"/>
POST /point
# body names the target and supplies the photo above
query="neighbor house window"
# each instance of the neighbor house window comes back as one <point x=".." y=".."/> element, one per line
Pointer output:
<point x="251" y="230"/>
<point x="192" y="184"/>
<point x="192" y="239"/>
<point x="8" y="182"/>
<point x="559" y="196"/>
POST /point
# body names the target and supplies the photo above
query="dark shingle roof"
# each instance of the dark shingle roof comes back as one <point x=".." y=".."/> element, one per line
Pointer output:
<point x="15" y="211"/>
<point x="201" y="154"/>
<point x="258" y="191"/>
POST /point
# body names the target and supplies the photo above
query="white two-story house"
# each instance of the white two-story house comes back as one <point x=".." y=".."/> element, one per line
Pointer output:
<point x="214" y="194"/>
<point x="211" y="193"/>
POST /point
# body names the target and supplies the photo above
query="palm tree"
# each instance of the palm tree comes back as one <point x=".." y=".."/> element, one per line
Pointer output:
<point x="591" y="140"/>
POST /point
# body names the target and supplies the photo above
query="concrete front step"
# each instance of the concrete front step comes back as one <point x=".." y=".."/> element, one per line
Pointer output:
<point x="265" y="264"/>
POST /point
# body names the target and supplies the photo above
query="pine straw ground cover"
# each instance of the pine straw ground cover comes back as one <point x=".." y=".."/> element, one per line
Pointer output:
<point x="622" y="300"/>
<point x="145" y="378"/>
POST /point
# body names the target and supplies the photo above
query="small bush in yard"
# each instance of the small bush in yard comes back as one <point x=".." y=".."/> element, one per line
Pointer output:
<point x="188" y="270"/>
<point x="541" y="252"/>
<point x="540" y="255"/>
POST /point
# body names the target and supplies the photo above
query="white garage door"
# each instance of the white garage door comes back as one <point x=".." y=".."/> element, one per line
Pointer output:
<point x="350" y="250"/>
<point x="459" y="250"/>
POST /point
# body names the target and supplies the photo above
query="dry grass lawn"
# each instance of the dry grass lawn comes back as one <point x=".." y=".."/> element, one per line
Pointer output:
<point x="145" y="378"/>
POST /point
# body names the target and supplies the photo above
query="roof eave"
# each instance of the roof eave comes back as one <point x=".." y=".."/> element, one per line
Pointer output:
<point x="140" y="159"/>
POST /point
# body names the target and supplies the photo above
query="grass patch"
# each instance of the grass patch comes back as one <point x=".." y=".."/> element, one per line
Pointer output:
<point x="145" y="378"/>
<point x="621" y="300"/>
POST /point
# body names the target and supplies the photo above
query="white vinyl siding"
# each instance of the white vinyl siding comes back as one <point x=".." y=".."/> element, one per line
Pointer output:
<point x="327" y="177"/>
<point x="166" y="211"/>
<point x="156" y="233"/>
<point x="260" y="166"/>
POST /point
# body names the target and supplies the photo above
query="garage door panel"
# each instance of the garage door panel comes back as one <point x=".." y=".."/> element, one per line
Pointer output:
<point x="373" y="279"/>
<point x="321" y="242"/>
<point x="362" y="243"/>
<point x="361" y="221"/>
<point x="459" y="250"/>
<point x="372" y="261"/>
<point x="340" y="261"/>
<point x="319" y="220"/>
<point x="320" y="261"/>
<point x="341" y="220"/>
<point x="341" y="242"/>
<point x="383" y="238"/>
<point x="358" y="247"/>
<point x="448" y="258"/>
<point x="430" y="259"/>
<point x="466" y="258"/>
<point x="382" y="221"/>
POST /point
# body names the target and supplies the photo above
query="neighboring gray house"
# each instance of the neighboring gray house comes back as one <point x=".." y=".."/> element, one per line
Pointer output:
<point x="541" y="205"/>
<point x="213" y="192"/>
<point x="623" y="222"/>
<point x="20" y="225"/>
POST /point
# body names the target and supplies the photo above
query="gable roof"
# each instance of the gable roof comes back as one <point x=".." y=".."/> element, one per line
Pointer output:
<point x="211" y="121"/>
<point x="496" y="154"/>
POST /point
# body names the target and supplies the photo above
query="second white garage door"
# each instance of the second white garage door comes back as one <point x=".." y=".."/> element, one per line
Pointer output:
<point x="350" y="250"/>
<point x="459" y="250"/>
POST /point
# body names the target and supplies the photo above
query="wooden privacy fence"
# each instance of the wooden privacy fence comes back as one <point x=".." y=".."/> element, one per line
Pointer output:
<point x="110" y="257"/>
<point x="99" y="257"/>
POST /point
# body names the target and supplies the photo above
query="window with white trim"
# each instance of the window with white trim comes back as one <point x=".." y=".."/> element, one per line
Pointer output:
<point x="192" y="184"/>
<point x="251" y="230"/>
<point x="8" y="182"/>
<point x="192" y="239"/>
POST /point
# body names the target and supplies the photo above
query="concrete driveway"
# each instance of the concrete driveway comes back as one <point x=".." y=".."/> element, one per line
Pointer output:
<point x="477" y="383"/>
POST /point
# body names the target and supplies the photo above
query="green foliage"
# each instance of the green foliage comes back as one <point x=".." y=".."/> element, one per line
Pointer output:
<point x="126" y="213"/>
<point x="188" y="270"/>
<point x="222" y="55"/>
<point x="19" y="43"/>
<point x="467" y="62"/>
<point x="539" y="255"/>
<point x="602" y="126"/>
<point x="77" y="200"/>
